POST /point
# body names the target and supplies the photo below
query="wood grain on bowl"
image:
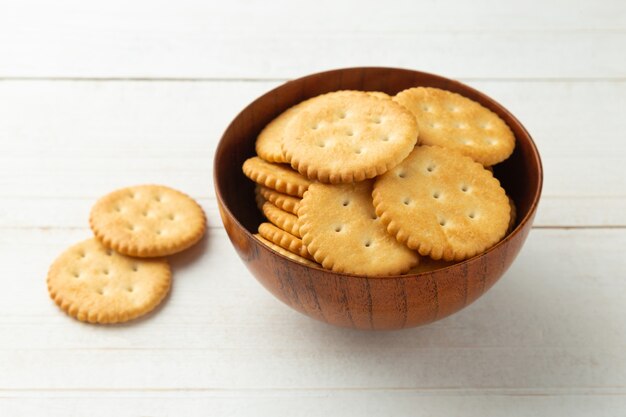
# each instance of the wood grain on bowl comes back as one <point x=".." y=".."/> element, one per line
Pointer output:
<point x="378" y="303"/>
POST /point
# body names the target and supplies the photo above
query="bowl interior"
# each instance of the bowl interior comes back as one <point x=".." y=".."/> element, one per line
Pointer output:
<point x="520" y="175"/>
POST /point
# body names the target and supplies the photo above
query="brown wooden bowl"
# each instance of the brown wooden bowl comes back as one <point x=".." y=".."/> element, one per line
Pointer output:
<point x="370" y="303"/>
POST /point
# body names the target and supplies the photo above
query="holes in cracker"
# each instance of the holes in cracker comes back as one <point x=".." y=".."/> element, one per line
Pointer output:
<point x="314" y="127"/>
<point x="434" y="125"/>
<point x="442" y="222"/>
<point x="358" y="150"/>
<point x="144" y="213"/>
<point x="76" y="274"/>
<point x="484" y="125"/>
<point x="82" y="254"/>
<point x="385" y="138"/>
<point x="342" y="115"/>
<point x="109" y="252"/>
<point x="105" y="271"/>
<point x="491" y="141"/>
<point x="158" y="232"/>
<point x="401" y="174"/>
<point x="321" y="144"/>
<point x="131" y="227"/>
<point x="368" y="243"/>
<point x="135" y="268"/>
<point x="345" y="203"/>
<point x="117" y="209"/>
<point x="453" y="109"/>
<point x="464" y="188"/>
<point x="459" y="125"/>
<point x="431" y="167"/>
<point x="426" y="108"/>
<point x="100" y="291"/>
<point x="472" y="215"/>
<point x="129" y="289"/>
<point x="466" y="141"/>
<point x="338" y="228"/>
<point x="171" y="217"/>
<point x="350" y="133"/>
<point x="436" y="195"/>
<point x="158" y="198"/>
<point x="406" y="201"/>
<point x="377" y="120"/>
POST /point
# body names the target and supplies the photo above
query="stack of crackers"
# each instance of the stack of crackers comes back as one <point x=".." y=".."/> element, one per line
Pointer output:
<point x="364" y="183"/>
<point x="121" y="274"/>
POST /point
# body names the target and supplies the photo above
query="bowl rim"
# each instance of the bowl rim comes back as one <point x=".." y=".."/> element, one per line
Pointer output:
<point x="520" y="225"/>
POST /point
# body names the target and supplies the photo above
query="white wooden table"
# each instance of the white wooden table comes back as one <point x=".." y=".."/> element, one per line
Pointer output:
<point x="99" y="95"/>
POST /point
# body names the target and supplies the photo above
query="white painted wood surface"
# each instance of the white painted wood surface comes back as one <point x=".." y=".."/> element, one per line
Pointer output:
<point x="95" y="96"/>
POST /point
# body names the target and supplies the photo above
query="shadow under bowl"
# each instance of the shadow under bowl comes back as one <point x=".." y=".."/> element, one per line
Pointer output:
<point x="369" y="303"/>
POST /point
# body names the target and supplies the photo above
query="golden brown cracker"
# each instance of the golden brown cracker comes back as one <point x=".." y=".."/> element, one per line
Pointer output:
<point x="147" y="221"/>
<point x="284" y="239"/>
<point x="513" y="215"/>
<point x="285" y="252"/>
<point x="277" y="177"/>
<point x="282" y="219"/>
<point x="280" y="200"/>
<point x="98" y="285"/>
<point x="348" y="136"/>
<point x="442" y="204"/>
<point x="342" y="232"/>
<point x="452" y="121"/>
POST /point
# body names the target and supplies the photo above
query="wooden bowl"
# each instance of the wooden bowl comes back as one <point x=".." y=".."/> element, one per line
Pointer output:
<point x="370" y="303"/>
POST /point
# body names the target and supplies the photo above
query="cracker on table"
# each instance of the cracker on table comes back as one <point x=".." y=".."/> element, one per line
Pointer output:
<point x="282" y="219"/>
<point x="452" y="121"/>
<point x="284" y="239"/>
<point x="147" y="221"/>
<point x="348" y="136"/>
<point x="280" y="200"/>
<point x="442" y="204"/>
<point x="98" y="285"/>
<point x="342" y="232"/>
<point x="277" y="177"/>
<point x="285" y="252"/>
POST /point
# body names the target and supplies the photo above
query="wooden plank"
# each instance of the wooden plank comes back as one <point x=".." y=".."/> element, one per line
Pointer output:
<point x="201" y="39"/>
<point x="554" y="323"/>
<point x="308" y="403"/>
<point x="165" y="132"/>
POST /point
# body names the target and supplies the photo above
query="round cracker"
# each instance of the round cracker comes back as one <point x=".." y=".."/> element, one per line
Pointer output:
<point x="342" y="232"/>
<point x="452" y="121"/>
<point x="282" y="219"/>
<point x="98" y="285"/>
<point x="280" y="200"/>
<point x="513" y="218"/>
<point x="348" y="136"/>
<point x="285" y="252"/>
<point x="277" y="177"/>
<point x="442" y="204"/>
<point x="147" y="221"/>
<point x="269" y="142"/>
<point x="284" y="239"/>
